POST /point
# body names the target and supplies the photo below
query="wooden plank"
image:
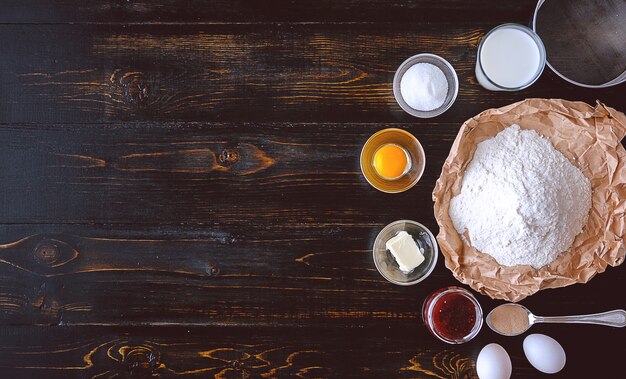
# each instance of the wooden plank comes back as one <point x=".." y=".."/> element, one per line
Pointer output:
<point x="217" y="276"/>
<point x="158" y="11"/>
<point x="234" y="73"/>
<point x="209" y="173"/>
<point x="227" y="352"/>
<point x="127" y="275"/>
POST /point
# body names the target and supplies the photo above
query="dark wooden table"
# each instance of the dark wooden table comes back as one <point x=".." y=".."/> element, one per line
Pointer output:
<point x="180" y="193"/>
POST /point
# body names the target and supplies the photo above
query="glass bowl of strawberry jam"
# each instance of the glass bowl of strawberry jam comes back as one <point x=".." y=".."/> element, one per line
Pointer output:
<point x="453" y="315"/>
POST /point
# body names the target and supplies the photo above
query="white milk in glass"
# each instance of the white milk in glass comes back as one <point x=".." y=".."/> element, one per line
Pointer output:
<point x="509" y="58"/>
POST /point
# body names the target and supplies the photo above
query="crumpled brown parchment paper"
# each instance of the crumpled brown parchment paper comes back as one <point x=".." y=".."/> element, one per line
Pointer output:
<point x="590" y="138"/>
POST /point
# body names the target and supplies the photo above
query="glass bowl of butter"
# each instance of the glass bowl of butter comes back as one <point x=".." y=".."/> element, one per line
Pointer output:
<point x="405" y="252"/>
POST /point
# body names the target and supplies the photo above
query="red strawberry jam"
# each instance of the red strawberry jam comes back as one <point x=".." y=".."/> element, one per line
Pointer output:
<point x="453" y="315"/>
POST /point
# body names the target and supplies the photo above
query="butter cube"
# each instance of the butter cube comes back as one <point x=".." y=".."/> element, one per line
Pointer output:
<point x="405" y="251"/>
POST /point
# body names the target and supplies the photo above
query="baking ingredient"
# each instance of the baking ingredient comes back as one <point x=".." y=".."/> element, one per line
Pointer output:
<point x="493" y="363"/>
<point x="510" y="319"/>
<point x="391" y="161"/>
<point x="521" y="200"/>
<point x="454" y="316"/>
<point x="424" y="87"/>
<point x="405" y="251"/>
<point x="544" y="353"/>
<point x="509" y="57"/>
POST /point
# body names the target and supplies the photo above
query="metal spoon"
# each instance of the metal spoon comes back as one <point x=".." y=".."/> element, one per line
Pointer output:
<point x="615" y="318"/>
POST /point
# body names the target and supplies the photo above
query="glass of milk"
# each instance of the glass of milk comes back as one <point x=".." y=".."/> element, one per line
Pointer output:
<point x="510" y="57"/>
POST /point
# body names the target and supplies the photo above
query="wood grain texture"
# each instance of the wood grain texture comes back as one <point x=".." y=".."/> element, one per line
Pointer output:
<point x="226" y="276"/>
<point x="258" y="11"/>
<point x="239" y="73"/>
<point x="296" y="175"/>
<point x="180" y="191"/>
<point x="218" y="352"/>
<point x="79" y="352"/>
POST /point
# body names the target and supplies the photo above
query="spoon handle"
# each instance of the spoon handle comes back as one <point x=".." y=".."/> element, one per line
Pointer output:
<point x="615" y="318"/>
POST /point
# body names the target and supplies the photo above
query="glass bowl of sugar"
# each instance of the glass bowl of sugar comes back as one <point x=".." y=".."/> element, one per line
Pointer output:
<point x="425" y="85"/>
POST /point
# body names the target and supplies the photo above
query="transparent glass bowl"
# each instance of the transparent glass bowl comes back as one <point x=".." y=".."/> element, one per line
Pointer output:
<point x="385" y="262"/>
<point x="448" y="71"/>
<point x="411" y="146"/>
<point x="428" y="314"/>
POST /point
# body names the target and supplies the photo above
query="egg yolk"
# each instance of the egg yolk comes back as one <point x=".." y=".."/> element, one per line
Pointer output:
<point x="390" y="161"/>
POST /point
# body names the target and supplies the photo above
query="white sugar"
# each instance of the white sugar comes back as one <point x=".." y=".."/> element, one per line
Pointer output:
<point x="424" y="87"/>
<point x="521" y="200"/>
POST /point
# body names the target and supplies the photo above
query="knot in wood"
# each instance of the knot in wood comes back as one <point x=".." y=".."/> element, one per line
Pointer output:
<point x="47" y="253"/>
<point x="212" y="269"/>
<point x="237" y="365"/>
<point x="141" y="362"/>
<point x="229" y="156"/>
<point x="136" y="90"/>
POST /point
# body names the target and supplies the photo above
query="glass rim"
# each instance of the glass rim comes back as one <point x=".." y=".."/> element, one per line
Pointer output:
<point x="453" y="85"/>
<point x="619" y="79"/>
<point x="477" y="324"/>
<point x="538" y="42"/>
<point x="433" y="240"/>
<point x="421" y="154"/>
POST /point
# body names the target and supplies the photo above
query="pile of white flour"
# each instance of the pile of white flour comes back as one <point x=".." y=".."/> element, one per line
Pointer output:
<point x="521" y="201"/>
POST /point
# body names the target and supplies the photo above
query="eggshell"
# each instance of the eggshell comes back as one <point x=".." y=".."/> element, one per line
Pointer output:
<point x="493" y="363"/>
<point x="544" y="353"/>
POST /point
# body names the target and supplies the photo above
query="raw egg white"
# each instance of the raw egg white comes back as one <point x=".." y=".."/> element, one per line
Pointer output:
<point x="544" y="353"/>
<point x="493" y="363"/>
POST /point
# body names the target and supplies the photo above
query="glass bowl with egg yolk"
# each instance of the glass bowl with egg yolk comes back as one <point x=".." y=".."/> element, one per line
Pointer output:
<point x="392" y="160"/>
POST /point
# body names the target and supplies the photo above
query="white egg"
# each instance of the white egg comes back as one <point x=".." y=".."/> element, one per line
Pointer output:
<point x="544" y="353"/>
<point x="493" y="363"/>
